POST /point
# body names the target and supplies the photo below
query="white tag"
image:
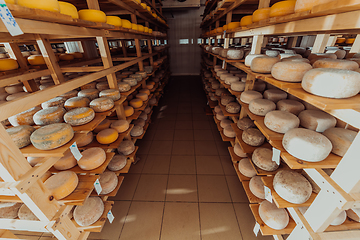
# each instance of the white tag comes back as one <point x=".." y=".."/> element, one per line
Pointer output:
<point x="8" y="19"/>
<point x="224" y="34"/>
<point x="276" y="156"/>
<point x="110" y="216"/>
<point x="223" y="65"/>
<point x="97" y="186"/>
<point x="256" y="229"/>
<point x="75" y="151"/>
<point x="268" y="195"/>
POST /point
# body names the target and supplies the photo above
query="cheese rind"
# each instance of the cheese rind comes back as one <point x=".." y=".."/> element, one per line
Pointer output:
<point x="62" y="184"/>
<point x="21" y="135"/>
<point x="253" y="137"/>
<point x="89" y="212"/>
<point x="26" y="214"/>
<point x="92" y="158"/>
<point x="336" y="63"/>
<point x="354" y="214"/>
<point x="76" y="102"/>
<point x="263" y="64"/>
<point x="126" y="147"/>
<point x="261" y="107"/>
<point x="55" y="102"/>
<point x="137" y="131"/>
<point x="249" y="95"/>
<point x="86" y="140"/>
<point x="316" y="120"/>
<point x="281" y="121"/>
<point x="274" y="217"/>
<point x="9" y="210"/>
<point x="110" y="93"/>
<point x="229" y="132"/>
<point x="117" y="163"/>
<point x="245" y="123"/>
<point x="246" y="168"/>
<point x="66" y="162"/>
<point x="107" y="136"/>
<point x="108" y="181"/>
<point x="341" y="139"/>
<point x="290" y="71"/>
<point x="49" y="115"/>
<point x="129" y="110"/>
<point x="89" y="93"/>
<point x="136" y="103"/>
<point x="340" y="219"/>
<point x="52" y="136"/>
<point x="233" y="107"/>
<point x="102" y="104"/>
<point x="257" y="187"/>
<point x="120" y="125"/>
<point x="291" y="106"/>
<point x="262" y="158"/>
<point x="79" y="116"/>
<point x="238" y="151"/>
<point x="24" y="118"/>
<point x="275" y="95"/>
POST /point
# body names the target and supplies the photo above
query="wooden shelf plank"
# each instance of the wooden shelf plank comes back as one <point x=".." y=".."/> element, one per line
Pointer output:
<point x="252" y="198"/>
<point x="240" y="175"/>
<point x="114" y="192"/>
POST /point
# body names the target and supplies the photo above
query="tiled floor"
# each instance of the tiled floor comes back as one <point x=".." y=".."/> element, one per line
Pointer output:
<point x="184" y="187"/>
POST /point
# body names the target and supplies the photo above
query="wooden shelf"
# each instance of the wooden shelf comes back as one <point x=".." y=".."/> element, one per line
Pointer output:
<point x="114" y="192"/>
<point x="234" y="157"/>
<point x="126" y="168"/>
<point x="226" y="113"/>
<point x="91" y="125"/>
<point x="132" y="155"/>
<point x="135" y="115"/>
<point x="223" y="137"/>
<point x="241" y="177"/>
<point x="252" y="198"/>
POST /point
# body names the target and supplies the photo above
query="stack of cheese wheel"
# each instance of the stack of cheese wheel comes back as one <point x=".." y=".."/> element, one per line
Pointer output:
<point x="52" y="136"/>
<point x="108" y="182"/>
<point x="21" y="135"/>
<point x="117" y="163"/>
<point x="89" y="212"/>
<point x="107" y="136"/>
<point x="49" y="115"/>
<point x="66" y="162"/>
<point x="274" y="217"/>
<point x="256" y="186"/>
<point x="62" y="184"/>
<point x="24" y="118"/>
<point x="102" y="104"/>
<point x="262" y="158"/>
<point x="79" y="116"/>
<point x="9" y="210"/>
<point x="92" y="158"/>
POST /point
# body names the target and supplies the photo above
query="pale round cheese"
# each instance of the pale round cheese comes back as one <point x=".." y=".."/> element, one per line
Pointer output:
<point x="124" y="87"/>
<point x="54" y="102"/>
<point x="275" y="95"/>
<point x="90" y="93"/>
<point x="261" y="107"/>
<point x="246" y="168"/>
<point x="274" y="217"/>
<point x="76" y="102"/>
<point x="137" y="131"/>
<point x="143" y="116"/>
<point x="306" y="144"/>
<point x="89" y="85"/>
<point x="102" y="104"/>
<point x="222" y="71"/>
<point x="238" y="151"/>
<point x="291" y="106"/>
<point x="117" y="163"/>
<point x="253" y="137"/>
<point x="49" y="115"/>
<point x="66" y="162"/>
<point x="221" y="91"/>
<point x="87" y="139"/>
<point x="220" y="116"/>
<point x="272" y="53"/>
<point x="316" y="120"/>
<point x="248" y="96"/>
<point x="137" y="77"/>
<point x="249" y="58"/>
<point x="245" y="123"/>
<point x="235" y="54"/>
<point x="16" y="95"/>
<point x="223" y="76"/>
<point x="233" y="107"/>
<point x="281" y="121"/>
<point x="259" y="86"/>
<point x="120" y="125"/>
<point x="9" y="210"/>
<point x="89" y="212"/>
<point x="340" y="219"/>
<point x="92" y="158"/>
<point x="142" y="96"/>
<point x="335" y="63"/>
<point x="263" y="64"/>
<point x="79" y="116"/>
<point x="229" y="132"/>
<point x="147" y="110"/>
<point x="340" y="138"/>
<point x="26" y="214"/>
<point x="139" y="122"/>
<point x="238" y="86"/>
<point x="226" y="122"/>
<point x="102" y="86"/>
<point x="354" y="214"/>
<point x="217" y="109"/>
<point x="24" y="118"/>
<point x="131" y="81"/>
<point x="34" y="160"/>
<point x="292" y="186"/>
<point x="126" y="147"/>
<point x="257" y="187"/>
<point x="290" y="71"/>
<point x="16" y="88"/>
<point x="231" y="79"/>
<point x="226" y="99"/>
<point x="108" y="182"/>
<point x="62" y="184"/>
<point x="338" y="52"/>
<point x="21" y="135"/>
<point x="262" y="158"/>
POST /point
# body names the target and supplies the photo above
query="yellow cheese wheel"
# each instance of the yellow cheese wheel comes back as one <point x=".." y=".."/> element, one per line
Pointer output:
<point x="120" y="125"/>
<point x="233" y="25"/>
<point x="92" y="15"/>
<point x="150" y="30"/>
<point x="76" y="102"/>
<point x="128" y="111"/>
<point x="11" y="1"/>
<point x="306" y="5"/>
<point x="246" y="21"/>
<point x="225" y="27"/>
<point x="146" y="29"/>
<point x="92" y="158"/>
<point x="148" y="8"/>
<point x="136" y="103"/>
<point x="219" y="30"/>
<point x="77" y="55"/>
<point x="134" y="26"/>
<point x="79" y="116"/>
<point x="49" y="115"/>
<point x="143" y="5"/>
<point x="68" y="9"/>
<point x="90" y="93"/>
<point x="261" y="14"/>
<point x="66" y="57"/>
<point x="66" y="162"/>
<point x="24" y="118"/>
<point x="126" y="23"/>
<point x="7" y="64"/>
<point x="107" y="136"/>
<point x="102" y="104"/>
<point x="62" y="184"/>
<point x="144" y="90"/>
<point x="140" y="28"/>
<point x="114" y="20"/>
<point x="103" y="125"/>
<point x="282" y="8"/>
<point x="142" y="96"/>
<point x="110" y="93"/>
<point x="52" y="136"/>
<point x="87" y="139"/>
<point x="21" y="135"/>
<point x="49" y="5"/>
<point x="36" y="60"/>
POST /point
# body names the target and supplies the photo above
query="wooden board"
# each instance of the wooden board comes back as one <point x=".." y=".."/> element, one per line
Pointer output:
<point x="234" y="157"/>
<point x="240" y="175"/>
<point x="223" y="137"/>
<point x="347" y="225"/>
<point x="252" y="198"/>
<point x="114" y="192"/>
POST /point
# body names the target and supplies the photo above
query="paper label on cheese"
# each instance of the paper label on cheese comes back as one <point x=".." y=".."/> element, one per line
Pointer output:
<point x="276" y="156"/>
<point x="268" y="195"/>
<point x="97" y="186"/>
<point x="256" y="229"/>
<point x="224" y="34"/>
<point x="8" y="20"/>
<point x="110" y="216"/>
<point x="75" y="151"/>
<point x="223" y="64"/>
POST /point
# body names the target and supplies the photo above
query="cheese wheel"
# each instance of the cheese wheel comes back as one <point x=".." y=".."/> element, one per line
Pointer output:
<point x="235" y="54"/>
<point x="89" y="212"/>
<point x="336" y="63"/>
<point x="92" y="15"/>
<point x="103" y="125"/>
<point x="70" y="94"/>
<point x="131" y="81"/>
<point x="120" y="125"/>
<point x="102" y="104"/>
<point x="66" y="57"/>
<point x="102" y="86"/>
<point x="117" y="163"/>
<point x="79" y="116"/>
<point x="76" y="102"/>
<point x="52" y="136"/>
<point x="8" y="64"/>
<point x="275" y="95"/>
<point x="126" y="147"/>
<point x="91" y="85"/>
<point x="149" y="86"/>
<point x="281" y="121"/>
<point x="229" y="132"/>
<point x="340" y="219"/>
<point x="259" y="86"/>
<point x="49" y="5"/>
<point x="292" y="186"/>
<point x="14" y="88"/>
<point x="306" y="144"/>
<point x="36" y="60"/>
<point x="21" y="135"/>
<point x="253" y="137"/>
<point x="147" y="110"/>
<point x="238" y="151"/>
<point x="217" y="109"/>
<point x="290" y="71"/>
<point x="316" y="120"/>
<point x="113" y="20"/>
<point x="54" y="102"/>
<point x="306" y="5"/>
<point x="249" y="58"/>
<point x="15" y="96"/>
<point x="282" y="8"/>
<point x="124" y="87"/>
<point x="238" y="86"/>
<point x="220" y="116"/>
<point x="226" y="122"/>
<point x="143" y="116"/>
<point x="87" y="139"/>
<point x="272" y="53"/>
<point x="49" y="115"/>
<point x="257" y="187"/>
<point x="338" y="52"/>
<point x="227" y="99"/>
<point x="340" y="139"/>
<point x="108" y="181"/>
<point x="107" y="136"/>
<point x="134" y="26"/>
<point x="137" y="77"/>
<point x="137" y="131"/>
<point x="136" y="103"/>
<point x="223" y="76"/>
<point x="128" y="111"/>
<point x="142" y="96"/>
<point x="247" y="20"/>
<point x="62" y="184"/>
<point x="24" y="118"/>
<point x="89" y="93"/>
<point x="261" y="107"/>
<point x="233" y="25"/>
<point x="9" y="210"/>
<point x="290" y="106"/>
<point x="68" y="9"/>
<point x="66" y="162"/>
<point x="139" y="122"/>
<point x="231" y="79"/>
<point x="263" y="64"/>
<point x="262" y="158"/>
<point x="110" y="93"/>
<point x="261" y="14"/>
<point x="125" y="23"/>
<point x="34" y="160"/>
<point x="274" y="217"/>
<point x="3" y="96"/>
<point x="246" y="168"/>
<point x="26" y="214"/>
<point x="249" y="95"/>
<point x="233" y="107"/>
<point x="143" y="74"/>
<point x="144" y="90"/>
<point x="92" y="158"/>
<point x="354" y="214"/>
<point x="245" y="123"/>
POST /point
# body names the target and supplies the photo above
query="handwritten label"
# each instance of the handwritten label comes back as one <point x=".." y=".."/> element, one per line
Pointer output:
<point x="97" y="186"/>
<point x="75" y="151"/>
<point x="8" y="19"/>
<point x="268" y="195"/>
<point x="256" y="229"/>
<point x="110" y="216"/>
<point x="276" y="156"/>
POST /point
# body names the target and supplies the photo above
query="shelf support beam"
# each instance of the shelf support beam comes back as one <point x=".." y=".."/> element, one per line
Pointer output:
<point x="320" y="43"/>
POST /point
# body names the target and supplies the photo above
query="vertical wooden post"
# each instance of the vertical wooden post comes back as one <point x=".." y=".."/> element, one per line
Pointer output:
<point x="264" y="3"/>
<point x="356" y="45"/>
<point x="226" y="39"/>
<point x="137" y="45"/>
<point x="292" y="42"/>
<point x="320" y="43"/>
<point x="123" y="46"/>
<point x="149" y="45"/>
<point x="256" y="44"/>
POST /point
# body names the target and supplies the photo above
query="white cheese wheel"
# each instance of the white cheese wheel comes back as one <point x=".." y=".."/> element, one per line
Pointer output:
<point x="49" y="115"/>
<point x="21" y="135"/>
<point x="126" y="147"/>
<point x="89" y="212"/>
<point x="9" y="210"/>
<point x="87" y="139"/>
<point x="281" y="121"/>
<point x="249" y="58"/>
<point x="246" y="169"/>
<point x="16" y="88"/>
<point x="262" y="158"/>
<point x="249" y="95"/>
<point x="54" y="102"/>
<point x="253" y="137"/>
<point x="257" y="187"/>
<point x="24" y="118"/>
<point x="102" y="104"/>
<point x="217" y="109"/>
<point x="26" y="214"/>
<point x="289" y="55"/>
<point x="275" y="95"/>
<point x="238" y="86"/>
<point x="120" y="125"/>
<point x="226" y="122"/>
<point x="316" y="120"/>
<point x="143" y="116"/>
<point x="306" y="144"/>
<point x="124" y="87"/>
<point x="245" y="123"/>
<point x="354" y="214"/>
<point x="66" y="162"/>
<point x="136" y="131"/>
<point x="238" y="151"/>
<point x="261" y="107"/>
<point x="62" y="184"/>
<point x="92" y="158"/>
<point x="90" y="93"/>
<point x="235" y="54"/>
<point x="263" y="64"/>
<point x="233" y="107"/>
<point x="274" y="217"/>
<point x="108" y="182"/>
<point x="340" y="219"/>
<point x="292" y="186"/>
<point x="76" y="102"/>
<point x="290" y="71"/>
<point x="272" y="53"/>
<point x="131" y="81"/>
<point x="335" y="63"/>
<point x="229" y="132"/>
<point x="226" y="99"/>
<point x="331" y="83"/>
<point x="223" y="76"/>
<point x="34" y="160"/>
<point x="137" y="77"/>
<point x="291" y="106"/>
<point x="3" y="96"/>
<point x="231" y="79"/>
<point x="15" y="96"/>
<point x="117" y="163"/>
<point x="79" y="116"/>
<point x="222" y="71"/>
<point x="338" y="52"/>
<point x="340" y="139"/>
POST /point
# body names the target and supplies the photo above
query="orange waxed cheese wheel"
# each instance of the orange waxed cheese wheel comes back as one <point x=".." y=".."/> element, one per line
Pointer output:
<point x="66" y="162"/>
<point x="21" y="135"/>
<point x="8" y="64"/>
<point x="120" y="125"/>
<point x="103" y="125"/>
<point x="24" y="118"/>
<point x="247" y="20"/>
<point x="52" y="136"/>
<point x="102" y="104"/>
<point x="233" y="25"/>
<point x="107" y="136"/>
<point x="49" y="5"/>
<point x="261" y="14"/>
<point x="76" y="102"/>
<point x="128" y="111"/>
<point x="79" y="116"/>
<point x="92" y="158"/>
<point x="49" y="115"/>
<point x="36" y="60"/>
<point x="92" y="15"/>
<point x="62" y="184"/>
<point x="136" y="103"/>
<point x="282" y="8"/>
